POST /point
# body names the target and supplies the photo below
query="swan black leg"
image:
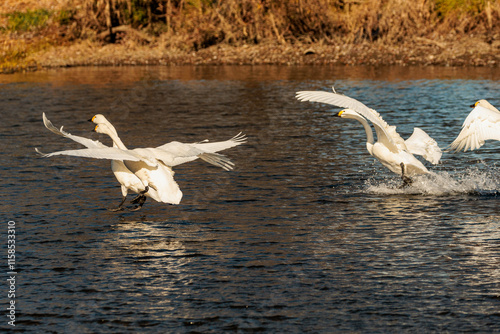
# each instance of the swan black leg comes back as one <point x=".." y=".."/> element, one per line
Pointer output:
<point x="119" y="208"/>
<point x="406" y="180"/>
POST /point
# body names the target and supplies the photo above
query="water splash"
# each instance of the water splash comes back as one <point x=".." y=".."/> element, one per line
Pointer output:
<point x="471" y="181"/>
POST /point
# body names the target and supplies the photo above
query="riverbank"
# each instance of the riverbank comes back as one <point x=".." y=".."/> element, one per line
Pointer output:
<point x="420" y="52"/>
<point x="49" y="33"/>
<point x="424" y="52"/>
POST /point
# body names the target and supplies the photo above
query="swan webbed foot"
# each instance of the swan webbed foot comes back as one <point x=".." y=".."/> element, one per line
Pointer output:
<point x="140" y="196"/>
<point x="139" y="200"/>
<point x="407" y="181"/>
<point x="119" y="207"/>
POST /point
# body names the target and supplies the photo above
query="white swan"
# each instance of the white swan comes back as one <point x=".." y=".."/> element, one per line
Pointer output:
<point x="482" y="123"/>
<point x="152" y="176"/>
<point x="390" y="149"/>
<point x="157" y="178"/>
<point x="127" y="179"/>
<point x="168" y="155"/>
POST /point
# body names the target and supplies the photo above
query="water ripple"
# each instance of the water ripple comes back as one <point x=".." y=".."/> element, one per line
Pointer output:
<point x="308" y="234"/>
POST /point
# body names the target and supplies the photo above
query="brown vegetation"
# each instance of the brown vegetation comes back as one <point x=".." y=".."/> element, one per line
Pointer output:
<point x="48" y="33"/>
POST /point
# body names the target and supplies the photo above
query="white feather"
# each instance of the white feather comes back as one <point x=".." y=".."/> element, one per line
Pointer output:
<point x="482" y="123"/>
<point x="390" y="149"/>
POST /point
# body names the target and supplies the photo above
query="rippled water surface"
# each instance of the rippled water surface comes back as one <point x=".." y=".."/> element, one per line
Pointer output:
<point x="308" y="234"/>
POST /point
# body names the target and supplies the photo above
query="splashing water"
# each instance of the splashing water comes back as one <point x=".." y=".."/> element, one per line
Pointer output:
<point x="471" y="181"/>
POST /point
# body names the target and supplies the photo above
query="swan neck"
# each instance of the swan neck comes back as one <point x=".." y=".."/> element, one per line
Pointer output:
<point x="117" y="142"/>
<point x="369" y="133"/>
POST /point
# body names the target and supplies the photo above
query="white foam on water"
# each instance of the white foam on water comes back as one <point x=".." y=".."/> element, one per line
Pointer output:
<point x="469" y="181"/>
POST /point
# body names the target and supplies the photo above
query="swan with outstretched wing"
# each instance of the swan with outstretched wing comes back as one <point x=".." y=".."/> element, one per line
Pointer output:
<point x="482" y="123"/>
<point x="390" y="149"/>
<point x="146" y="171"/>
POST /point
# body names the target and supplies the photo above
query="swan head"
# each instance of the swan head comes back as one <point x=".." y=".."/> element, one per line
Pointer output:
<point x="348" y="113"/>
<point x="104" y="128"/>
<point x="99" y="119"/>
<point x="484" y="104"/>
<point x="102" y="125"/>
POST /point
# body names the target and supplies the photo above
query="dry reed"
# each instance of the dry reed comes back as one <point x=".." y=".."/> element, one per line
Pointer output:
<point x="194" y="25"/>
<point x="197" y="24"/>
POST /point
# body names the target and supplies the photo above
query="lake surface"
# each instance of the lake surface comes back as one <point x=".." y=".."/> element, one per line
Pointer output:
<point x="309" y="233"/>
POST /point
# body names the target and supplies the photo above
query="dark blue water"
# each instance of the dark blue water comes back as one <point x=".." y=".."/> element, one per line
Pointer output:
<point x="308" y="234"/>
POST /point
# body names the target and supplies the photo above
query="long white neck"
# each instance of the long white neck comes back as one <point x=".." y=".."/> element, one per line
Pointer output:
<point x="111" y="131"/>
<point x="369" y="133"/>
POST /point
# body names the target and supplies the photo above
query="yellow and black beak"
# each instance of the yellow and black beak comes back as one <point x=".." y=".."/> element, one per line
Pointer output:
<point x="474" y="105"/>
<point x="92" y="119"/>
<point x="339" y="114"/>
<point x="95" y="129"/>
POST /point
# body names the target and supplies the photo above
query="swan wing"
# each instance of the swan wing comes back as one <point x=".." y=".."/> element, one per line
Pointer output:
<point x="218" y="160"/>
<point x="167" y="157"/>
<point x="385" y="133"/>
<point x="480" y="125"/>
<point x="421" y="143"/>
<point x="343" y="101"/>
<point x="89" y="143"/>
<point x="176" y="153"/>
<point x="109" y="153"/>
<point x="180" y="153"/>
<point x="218" y="146"/>
<point x="392" y="141"/>
<point x="177" y="149"/>
<point x="181" y="149"/>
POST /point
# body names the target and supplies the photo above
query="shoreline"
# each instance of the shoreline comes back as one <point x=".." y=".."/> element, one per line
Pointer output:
<point x="468" y="52"/>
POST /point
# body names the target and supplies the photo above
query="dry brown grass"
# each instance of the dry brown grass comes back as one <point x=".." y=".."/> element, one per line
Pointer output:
<point x="9" y="6"/>
<point x="253" y="31"/>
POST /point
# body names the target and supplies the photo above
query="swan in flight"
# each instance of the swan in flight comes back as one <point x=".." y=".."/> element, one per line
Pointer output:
<point x="127" y="179"/>
<point x="390" y="149"/>
<point x="170" y="155"/>
<point x="146" y="171"/>
<point x="482" y="123"/>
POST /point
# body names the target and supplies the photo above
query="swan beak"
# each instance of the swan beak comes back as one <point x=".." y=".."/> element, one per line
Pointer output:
<point x="92" y="119"/>
<point x="340" y="113"/>
<point x="95" y="129"/>
<point x="474" y="105"/>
